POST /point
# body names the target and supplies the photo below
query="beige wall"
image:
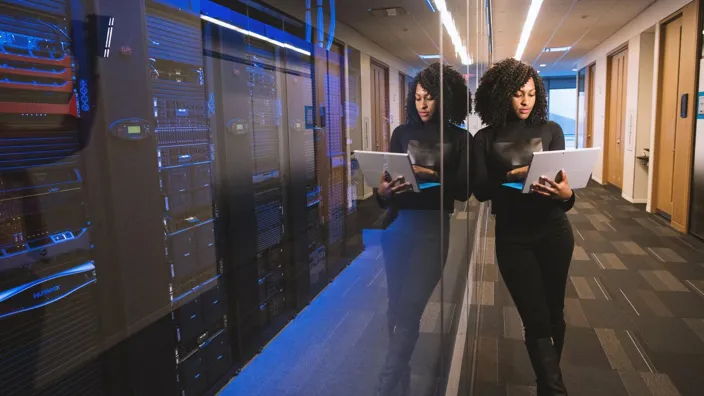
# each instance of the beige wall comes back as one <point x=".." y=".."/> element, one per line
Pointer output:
<point x="640" y="113"/>
<point x="646" y="94"/>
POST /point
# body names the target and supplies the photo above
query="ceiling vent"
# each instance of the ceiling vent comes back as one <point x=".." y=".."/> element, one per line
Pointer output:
<point x="388" y="12"/>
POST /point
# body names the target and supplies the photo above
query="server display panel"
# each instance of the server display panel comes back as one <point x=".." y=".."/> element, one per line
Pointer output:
<point x="48" y="318"/>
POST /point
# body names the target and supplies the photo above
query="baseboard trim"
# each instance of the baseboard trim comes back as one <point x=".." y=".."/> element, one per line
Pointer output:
<point x="638" y="201"/>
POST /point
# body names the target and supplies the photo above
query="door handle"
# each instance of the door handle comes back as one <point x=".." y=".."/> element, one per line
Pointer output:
<point x="683" y="105"/>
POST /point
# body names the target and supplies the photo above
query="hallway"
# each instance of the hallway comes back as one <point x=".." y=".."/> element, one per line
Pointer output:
<point x="634" y="310"/>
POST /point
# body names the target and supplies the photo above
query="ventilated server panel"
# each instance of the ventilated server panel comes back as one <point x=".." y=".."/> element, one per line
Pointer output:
<point x="185" y="157"/>
<point x="48" y="317"/>
<point x="266" y="175"/>
<point x="184" y="151"/>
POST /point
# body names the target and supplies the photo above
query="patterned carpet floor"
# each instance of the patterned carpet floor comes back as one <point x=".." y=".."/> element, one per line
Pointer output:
<point x="634" y="310"/>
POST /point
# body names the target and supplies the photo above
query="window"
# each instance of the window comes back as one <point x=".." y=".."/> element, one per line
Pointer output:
<point x="562" y="106"/>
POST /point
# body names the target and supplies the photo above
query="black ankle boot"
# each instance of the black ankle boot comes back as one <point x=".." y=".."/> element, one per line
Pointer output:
<point x="546" y="365"/>
<point x="396" y="373"/>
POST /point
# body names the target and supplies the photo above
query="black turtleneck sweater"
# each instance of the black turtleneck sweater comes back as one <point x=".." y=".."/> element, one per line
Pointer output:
<point x="500" y="150"/>
<point x="422" y="143"/>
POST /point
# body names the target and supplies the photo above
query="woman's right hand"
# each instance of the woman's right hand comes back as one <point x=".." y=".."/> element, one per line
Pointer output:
<point x="517" y="174"/>
<point x="389" y="188"/>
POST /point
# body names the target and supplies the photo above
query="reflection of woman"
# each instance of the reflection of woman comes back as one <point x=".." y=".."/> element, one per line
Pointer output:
<point x="414" y="243"/>
<point x="534" y="240"/>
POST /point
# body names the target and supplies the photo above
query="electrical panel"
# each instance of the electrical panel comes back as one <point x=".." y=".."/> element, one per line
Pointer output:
<point x="48" y="316"/>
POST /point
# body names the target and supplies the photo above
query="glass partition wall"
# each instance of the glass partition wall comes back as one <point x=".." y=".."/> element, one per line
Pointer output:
<point x="184" y="207"/>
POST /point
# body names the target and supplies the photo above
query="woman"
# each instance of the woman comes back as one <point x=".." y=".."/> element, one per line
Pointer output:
<point x="414" y="244"/>
<point x="534" y="240"/>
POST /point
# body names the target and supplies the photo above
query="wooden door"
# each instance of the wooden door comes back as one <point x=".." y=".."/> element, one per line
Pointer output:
<point x="402" y="92"/>
<point x="616" y="116"/>
<point x="667" y="120"/>
<point x="380" y="106"/>
<point x="591" y="93"/>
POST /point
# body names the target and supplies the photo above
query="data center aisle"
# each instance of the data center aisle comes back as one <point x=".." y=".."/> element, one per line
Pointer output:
<point x="634" y="310"/>
<point x="336" y="345"/>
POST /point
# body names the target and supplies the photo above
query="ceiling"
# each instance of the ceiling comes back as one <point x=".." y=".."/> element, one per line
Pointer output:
<point x="581" y="24"/>
<point x="416" y="33"/>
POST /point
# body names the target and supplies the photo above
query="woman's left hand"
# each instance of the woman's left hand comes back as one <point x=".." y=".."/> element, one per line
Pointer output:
<point x="556" y="190"/>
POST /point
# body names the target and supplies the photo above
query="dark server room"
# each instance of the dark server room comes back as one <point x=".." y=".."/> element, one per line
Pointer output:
<point x="174" y="189"/>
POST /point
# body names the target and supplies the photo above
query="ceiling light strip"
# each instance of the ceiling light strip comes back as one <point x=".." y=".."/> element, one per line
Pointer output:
<point x="252" y="34"/>
<point x="449" y="23"/>
<point x="528" y="27"/>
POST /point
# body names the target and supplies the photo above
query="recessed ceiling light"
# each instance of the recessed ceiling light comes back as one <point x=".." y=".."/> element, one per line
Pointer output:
<point x="543" y="65"/>
<point x="574" y="69"/>
<point x="557" y="49"/>
<point x="388" y="12"/>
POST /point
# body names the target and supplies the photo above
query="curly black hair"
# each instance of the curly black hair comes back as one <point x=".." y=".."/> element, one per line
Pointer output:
<point x="456" y="99"/>
<point x="498" y="85"/>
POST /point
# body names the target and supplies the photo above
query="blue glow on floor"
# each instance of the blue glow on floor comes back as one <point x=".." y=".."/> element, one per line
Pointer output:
<point x="306" y="337"/>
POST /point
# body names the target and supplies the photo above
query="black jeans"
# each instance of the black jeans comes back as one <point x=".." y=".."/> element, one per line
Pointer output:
<point x="534" y="260"/>
<point x="412" y="249"/>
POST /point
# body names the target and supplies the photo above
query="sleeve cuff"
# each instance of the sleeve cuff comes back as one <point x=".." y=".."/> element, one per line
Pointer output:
<point x="567" y="205"/>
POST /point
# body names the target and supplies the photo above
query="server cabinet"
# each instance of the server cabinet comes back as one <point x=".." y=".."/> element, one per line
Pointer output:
<point x="244" y="85"/>
<point x="282" y="166"/>
<point x="49" y="336"/>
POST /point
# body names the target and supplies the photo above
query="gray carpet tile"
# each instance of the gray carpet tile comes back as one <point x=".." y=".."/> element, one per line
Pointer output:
<point x="634" y="310"/>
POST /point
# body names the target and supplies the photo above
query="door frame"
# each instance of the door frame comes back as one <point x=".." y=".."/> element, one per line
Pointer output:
<point x="588" y="108"/>
<point x="607" y="113"/>
<point x="684" y="142"/>
<point x="590" y="88"/>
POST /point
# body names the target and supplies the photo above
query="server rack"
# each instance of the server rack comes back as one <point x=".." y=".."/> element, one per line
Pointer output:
<point x="282" y="168"/>
<point x="49" y="335"/>
<point x="185" y="155"/>
<point x="245" y="86"/>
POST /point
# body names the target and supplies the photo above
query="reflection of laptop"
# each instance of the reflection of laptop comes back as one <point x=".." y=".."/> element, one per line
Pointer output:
<point x="577" y="164"/>
<point x="374" y="163"/>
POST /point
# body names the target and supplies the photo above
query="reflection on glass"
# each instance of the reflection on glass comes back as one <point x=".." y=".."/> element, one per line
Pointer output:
<point x="180" y="203"/>
<point x="416" y="243"/>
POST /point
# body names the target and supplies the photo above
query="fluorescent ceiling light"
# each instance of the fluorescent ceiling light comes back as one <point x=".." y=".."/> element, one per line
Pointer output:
<point x="429" y="56"/>
<point x="528" y="27"/>
<point x="446" y="17"/>
<point x="252" y="34"/>
<point x="574" y="69"/>
<point x="557" y="49"/>
<point x="543" y="65"/>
